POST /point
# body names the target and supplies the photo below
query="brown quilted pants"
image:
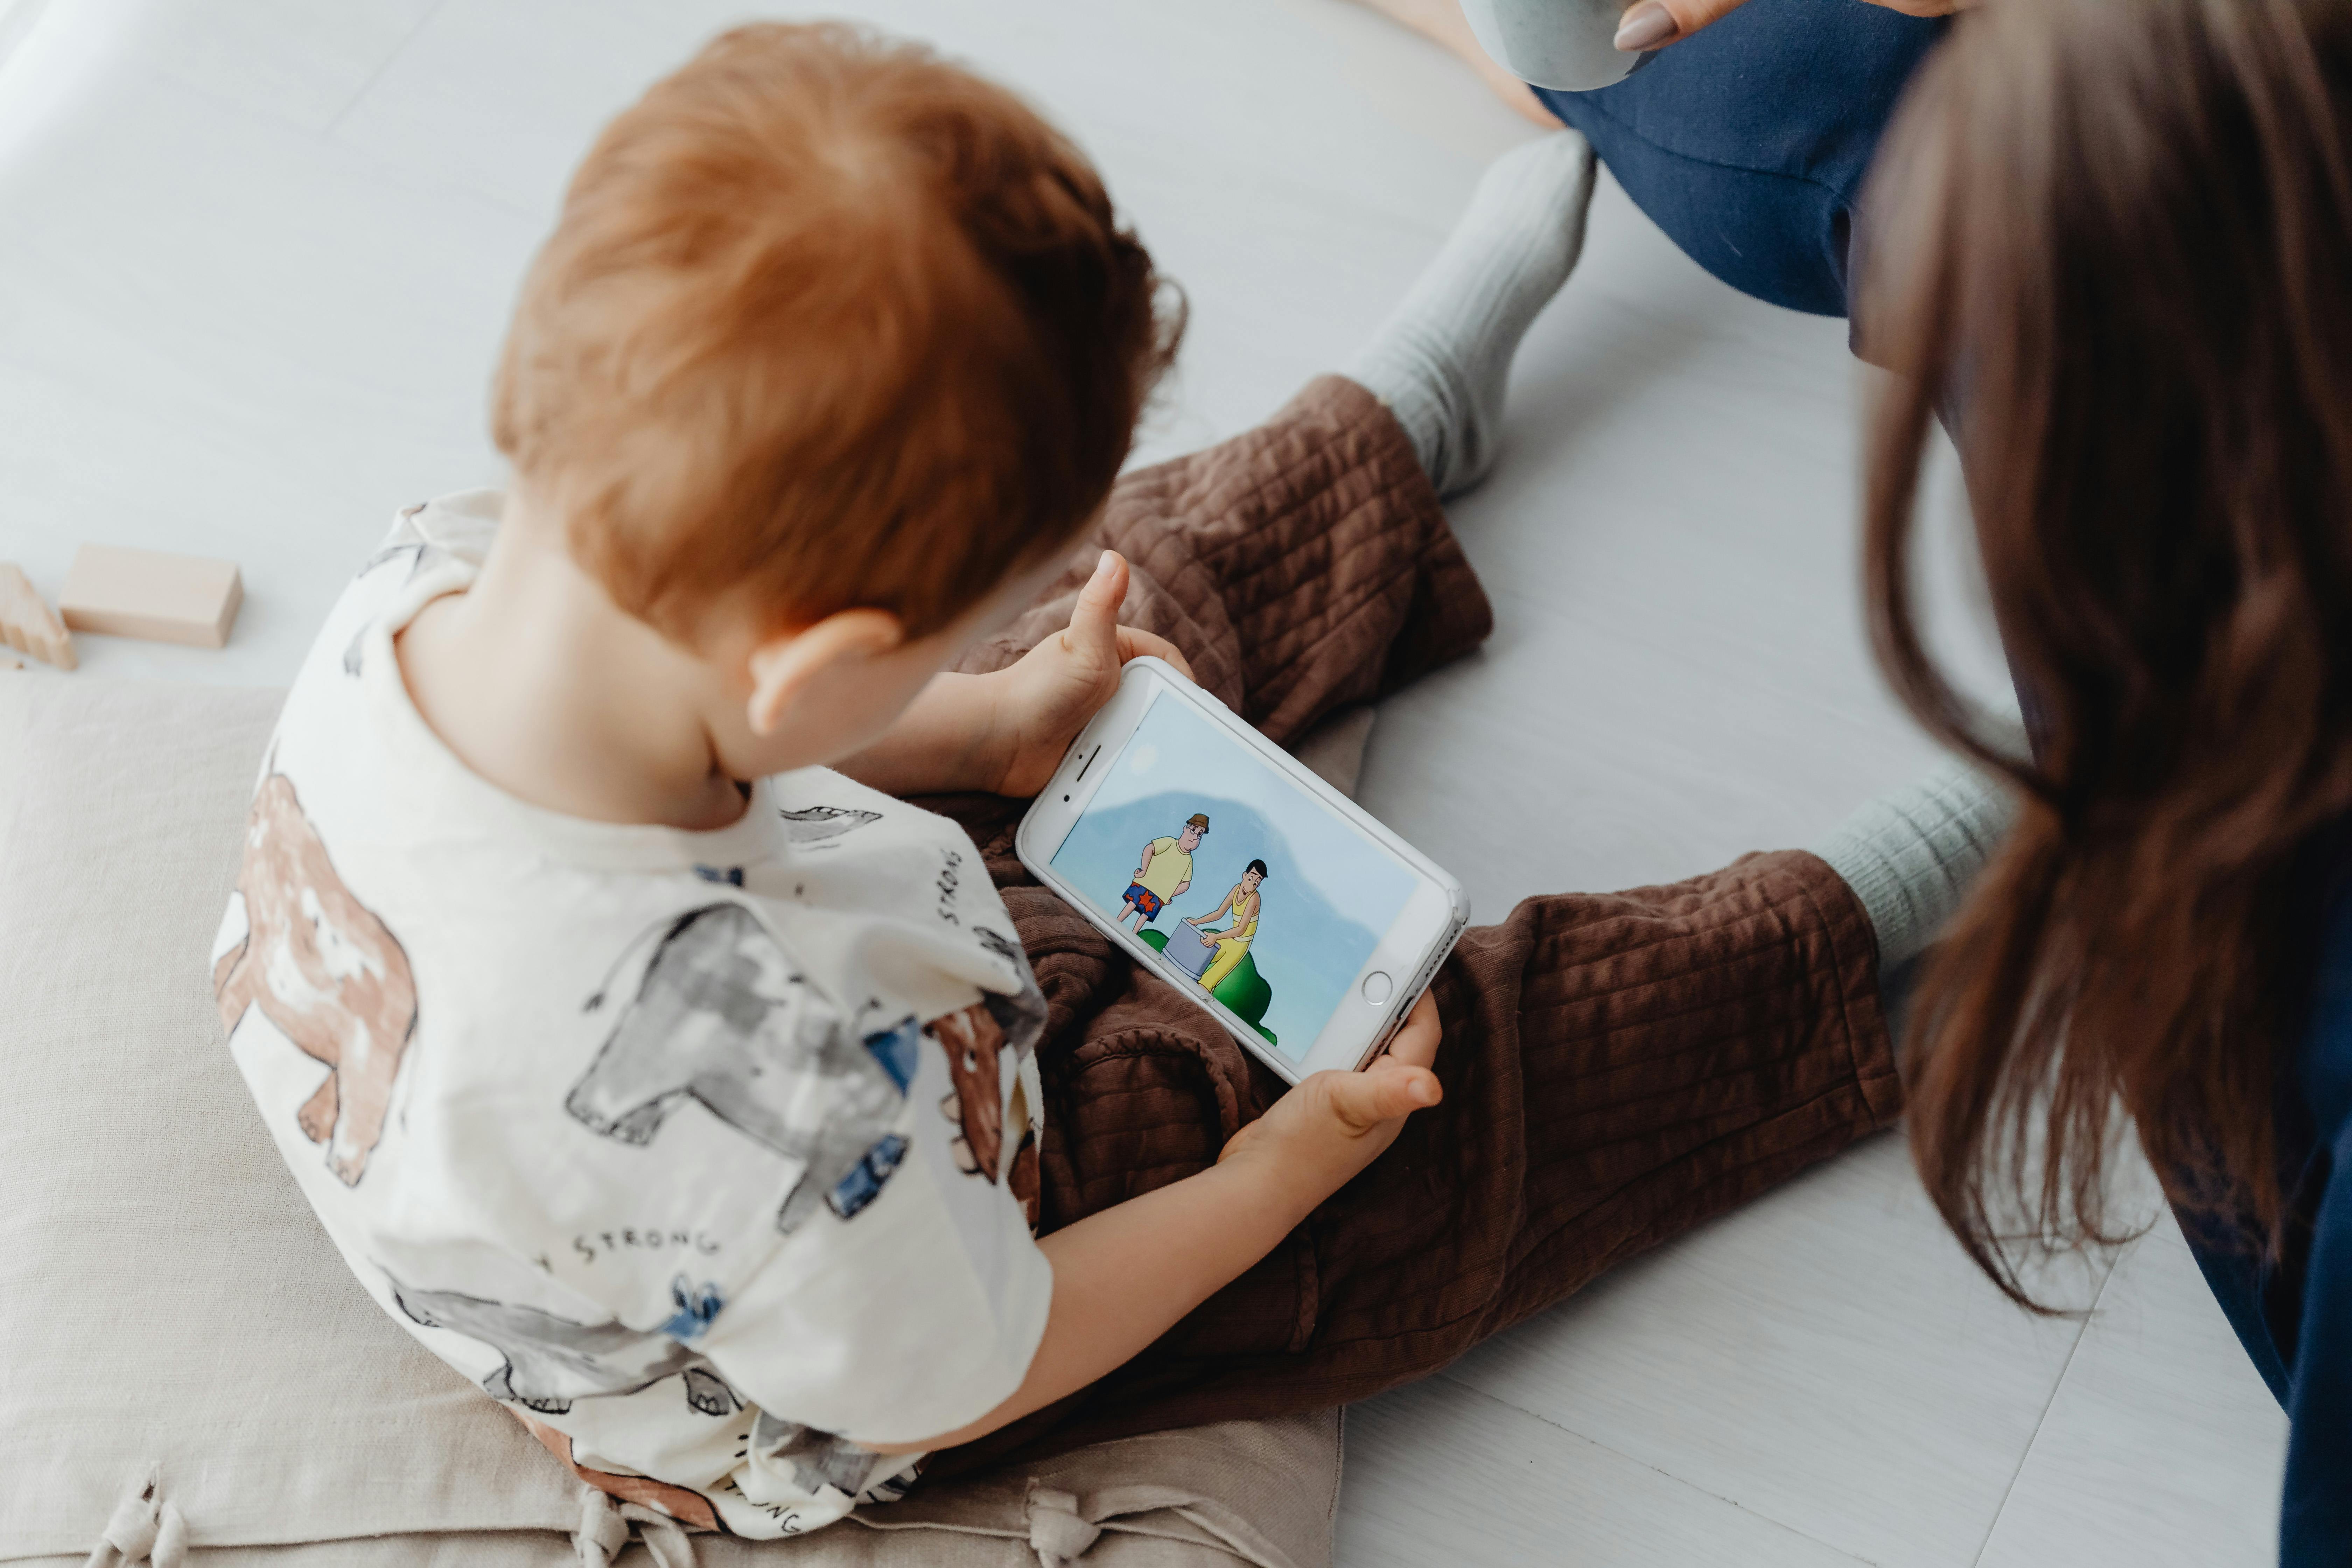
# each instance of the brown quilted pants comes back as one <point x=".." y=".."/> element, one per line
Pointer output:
<point x="1617" y="1066"/>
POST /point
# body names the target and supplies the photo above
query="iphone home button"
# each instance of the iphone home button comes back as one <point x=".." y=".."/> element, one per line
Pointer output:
<point x="1377" y="987"/>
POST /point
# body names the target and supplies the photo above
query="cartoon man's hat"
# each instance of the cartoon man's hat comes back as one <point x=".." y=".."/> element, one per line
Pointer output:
<point x="1197" y="820"/>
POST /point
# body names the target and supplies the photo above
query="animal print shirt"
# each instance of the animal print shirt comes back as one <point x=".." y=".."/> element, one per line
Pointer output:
<point x="707" y="1153"/>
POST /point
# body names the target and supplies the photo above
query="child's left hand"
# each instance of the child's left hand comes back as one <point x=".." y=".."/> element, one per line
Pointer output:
<point x="1046" y="698"/>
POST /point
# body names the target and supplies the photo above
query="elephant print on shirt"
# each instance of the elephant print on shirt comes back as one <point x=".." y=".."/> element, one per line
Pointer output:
<point x="1021" y="1015"/>
<point x="549" y="1362"/>
<point x="818" y="1459"/>
<point x="723" y="1018"/>
<point x="325" y="971"/>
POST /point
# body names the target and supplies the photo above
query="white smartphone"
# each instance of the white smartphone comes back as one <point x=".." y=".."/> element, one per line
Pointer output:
<point x="1217" y="859"/>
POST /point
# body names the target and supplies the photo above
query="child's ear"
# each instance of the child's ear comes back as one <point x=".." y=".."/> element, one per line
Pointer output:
<point x="787" y="664"/>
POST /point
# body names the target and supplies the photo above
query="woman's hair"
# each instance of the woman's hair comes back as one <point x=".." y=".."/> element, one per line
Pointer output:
<point x="828" y="322"/>
<point x="2111" y="240"/>
<point x="1256" y="866"/>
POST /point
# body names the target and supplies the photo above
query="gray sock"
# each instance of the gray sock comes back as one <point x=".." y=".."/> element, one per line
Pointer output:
<point x="1910" y="855"/>
<point x="1441" y="359"/>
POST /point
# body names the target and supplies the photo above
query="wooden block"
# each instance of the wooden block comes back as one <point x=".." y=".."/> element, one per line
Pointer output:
<point x="147" y="593"/>
<point x="26" y="623"/>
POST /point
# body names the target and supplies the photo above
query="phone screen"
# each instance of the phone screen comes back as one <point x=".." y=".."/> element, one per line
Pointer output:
<point x="1249" y="887"/>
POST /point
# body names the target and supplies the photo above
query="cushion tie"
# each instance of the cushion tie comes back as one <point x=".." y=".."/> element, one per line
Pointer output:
<point x="1058" y="1533"/>
<point x="144" y="1529"/>
<point x="604" y="1532"/>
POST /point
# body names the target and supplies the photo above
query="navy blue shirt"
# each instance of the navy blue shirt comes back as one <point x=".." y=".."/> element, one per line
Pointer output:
<point x="2294" y="1316"/>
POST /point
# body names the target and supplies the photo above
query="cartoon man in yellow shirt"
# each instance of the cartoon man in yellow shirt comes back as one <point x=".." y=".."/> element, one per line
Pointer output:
<point x="1162" y="872"/>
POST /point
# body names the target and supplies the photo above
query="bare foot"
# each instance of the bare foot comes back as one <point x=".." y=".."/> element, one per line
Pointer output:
<point x="1443" y="21"/>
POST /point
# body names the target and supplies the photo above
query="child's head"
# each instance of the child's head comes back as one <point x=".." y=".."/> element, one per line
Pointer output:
<point x="827" y="324"/>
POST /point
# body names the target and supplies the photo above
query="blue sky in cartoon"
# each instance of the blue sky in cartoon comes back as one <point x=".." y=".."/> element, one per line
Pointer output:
<point x="1329" y="897"/>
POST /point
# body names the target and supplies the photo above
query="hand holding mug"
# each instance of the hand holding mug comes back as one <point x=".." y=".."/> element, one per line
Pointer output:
<point x="1655" y="23"/>
<point x="1575" y="46"/>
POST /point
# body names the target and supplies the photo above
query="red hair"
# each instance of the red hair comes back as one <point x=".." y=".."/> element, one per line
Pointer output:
<point x="830" y="322"/>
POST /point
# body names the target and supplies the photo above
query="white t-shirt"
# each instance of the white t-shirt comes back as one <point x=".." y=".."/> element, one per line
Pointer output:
<point x="701" y="1148"/>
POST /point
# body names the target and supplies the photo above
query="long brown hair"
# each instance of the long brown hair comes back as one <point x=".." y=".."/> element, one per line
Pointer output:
<point x="2112" y="240"/>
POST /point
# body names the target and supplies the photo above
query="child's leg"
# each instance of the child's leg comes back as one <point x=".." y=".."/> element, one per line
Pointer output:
<point x="1617" y="1068"/>
<point x="1442" y="358"/>
<point x="1301" y="566"/>
<point x="1307" y="564"/>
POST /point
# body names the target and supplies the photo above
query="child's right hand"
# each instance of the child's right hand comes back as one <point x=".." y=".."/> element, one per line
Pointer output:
<point x="1123" y="1275"/>
<point x="1333" y="1124"/>
<point x="1038" y="705"/>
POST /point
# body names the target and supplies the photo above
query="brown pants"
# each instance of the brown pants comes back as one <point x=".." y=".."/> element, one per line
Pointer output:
<point x="1618" y="1067"/>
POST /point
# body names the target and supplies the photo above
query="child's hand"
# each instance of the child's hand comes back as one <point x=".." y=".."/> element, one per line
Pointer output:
<point x="1047" y="697"/>
<point x="1124" y="1275"/>
<point x="1333" y="1124"/>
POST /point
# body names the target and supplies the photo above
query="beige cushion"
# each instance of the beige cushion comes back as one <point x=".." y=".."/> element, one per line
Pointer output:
<point x="168" y="1301"/>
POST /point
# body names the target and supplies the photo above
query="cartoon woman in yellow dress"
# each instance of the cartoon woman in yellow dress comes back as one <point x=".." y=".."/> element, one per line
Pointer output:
<point x="1235" y="939"/>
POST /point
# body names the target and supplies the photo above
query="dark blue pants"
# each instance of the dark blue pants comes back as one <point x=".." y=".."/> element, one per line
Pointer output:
<point x="1748" y="143"/>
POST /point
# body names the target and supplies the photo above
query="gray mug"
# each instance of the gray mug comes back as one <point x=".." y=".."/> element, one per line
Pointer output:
<point x="1565" y="44"/>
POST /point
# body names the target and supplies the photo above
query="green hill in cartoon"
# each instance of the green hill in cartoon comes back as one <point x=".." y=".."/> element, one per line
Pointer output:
<point x="1244" y="990"/>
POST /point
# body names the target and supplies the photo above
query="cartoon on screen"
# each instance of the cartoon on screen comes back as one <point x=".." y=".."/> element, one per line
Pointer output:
<point x="1163" y="871"/>
<point x="1272" y="915"/>
<point x="1232" y="942"/>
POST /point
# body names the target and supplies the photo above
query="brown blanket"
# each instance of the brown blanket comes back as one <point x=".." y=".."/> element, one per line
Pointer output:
<point x="1617" y="1067"/>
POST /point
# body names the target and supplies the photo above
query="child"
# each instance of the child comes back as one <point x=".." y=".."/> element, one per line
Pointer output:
<point x="695" y="1095"/>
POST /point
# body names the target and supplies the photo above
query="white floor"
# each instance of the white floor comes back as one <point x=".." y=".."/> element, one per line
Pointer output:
<point x="255" y="258"/>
